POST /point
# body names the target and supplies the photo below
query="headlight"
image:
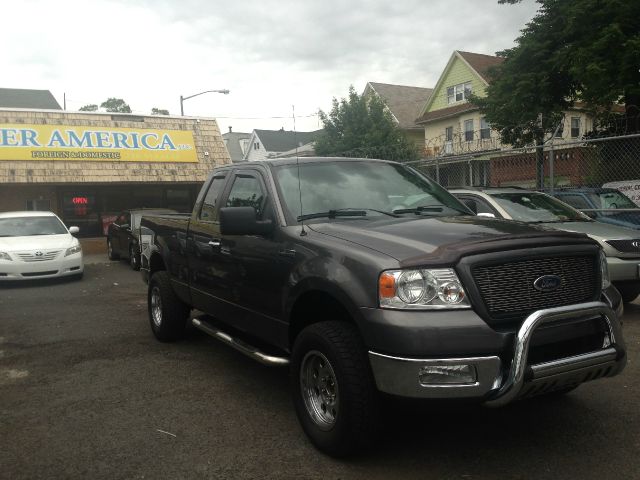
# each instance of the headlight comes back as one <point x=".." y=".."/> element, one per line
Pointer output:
<point x="421" y="289"/>
<point x="72" y="250"/>
<point x="4" y="256"/>
<point x="604" y="271"/>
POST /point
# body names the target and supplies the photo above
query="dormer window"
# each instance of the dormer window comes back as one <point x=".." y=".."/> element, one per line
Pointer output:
<point x="459" y="92"/>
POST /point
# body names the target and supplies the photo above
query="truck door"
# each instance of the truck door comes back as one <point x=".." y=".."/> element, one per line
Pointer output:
<point x="209" y="264"/>
<point x="262" y="263"/>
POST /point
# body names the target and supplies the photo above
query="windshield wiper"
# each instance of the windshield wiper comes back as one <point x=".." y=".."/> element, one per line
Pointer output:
<point x="428" y="208"/>
<point x="333" y="214"/>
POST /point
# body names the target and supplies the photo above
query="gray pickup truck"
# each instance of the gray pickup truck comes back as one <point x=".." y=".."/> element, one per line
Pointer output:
<point x="367" y="278"/>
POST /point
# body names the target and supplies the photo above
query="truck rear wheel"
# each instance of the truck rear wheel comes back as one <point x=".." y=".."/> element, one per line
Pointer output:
<point x="110" y="253"/>
<point x="167" y="313"/>
<point x="333" y="388"/>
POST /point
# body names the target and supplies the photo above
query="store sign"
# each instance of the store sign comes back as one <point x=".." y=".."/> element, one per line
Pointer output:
<point x="73" y="143"/>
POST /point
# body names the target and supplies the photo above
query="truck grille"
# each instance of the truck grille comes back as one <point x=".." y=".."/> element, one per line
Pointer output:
<point x="508" y="289"/>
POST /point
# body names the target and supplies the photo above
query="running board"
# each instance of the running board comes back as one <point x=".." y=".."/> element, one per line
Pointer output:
<point x="242" y="347"/>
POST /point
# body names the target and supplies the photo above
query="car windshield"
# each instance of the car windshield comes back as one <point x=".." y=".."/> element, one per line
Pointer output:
<point x="374" y="187"/>
<point x="536" y="207"/>
<point x="611" y="199"/>
<point x="27" y="226"/>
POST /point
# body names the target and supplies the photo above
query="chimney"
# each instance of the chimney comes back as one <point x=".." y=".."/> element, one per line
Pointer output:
<point x="229" y="128"/>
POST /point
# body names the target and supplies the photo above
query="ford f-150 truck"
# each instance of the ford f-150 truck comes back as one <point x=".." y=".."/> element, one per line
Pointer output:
<point x="367" y="278"/>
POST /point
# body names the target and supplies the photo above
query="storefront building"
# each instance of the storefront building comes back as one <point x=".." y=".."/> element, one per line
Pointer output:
<point x="88" y="167"/>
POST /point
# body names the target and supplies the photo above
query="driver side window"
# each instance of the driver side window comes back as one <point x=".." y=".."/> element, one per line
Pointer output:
<point x="247" y="191"/>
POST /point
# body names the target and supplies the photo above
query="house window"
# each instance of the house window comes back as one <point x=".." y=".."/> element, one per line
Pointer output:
<point x="485" y="129"/>
<point x="448" y="134"/>
<point x="575" y="127"/>
<point x="459" y="92"/>
<point x="468" y="130"/>
<point x="256" y="146"/>
<point x="560" y="130"/>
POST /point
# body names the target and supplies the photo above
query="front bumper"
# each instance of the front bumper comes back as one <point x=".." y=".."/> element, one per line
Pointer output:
<point x="497" y="382"/>
<point x="623" y="269"/>
<point x="58" y="267"/>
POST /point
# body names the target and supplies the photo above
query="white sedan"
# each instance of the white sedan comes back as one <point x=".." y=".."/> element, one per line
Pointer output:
<point x="38" y="245"/>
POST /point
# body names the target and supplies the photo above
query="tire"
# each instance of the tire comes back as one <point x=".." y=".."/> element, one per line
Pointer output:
<point x="344" y="419"/>
<point x="628" y="291"/>
<point x="110" y="253"/>
<point x="134" y="259"/>
<point x="167" y="313"/>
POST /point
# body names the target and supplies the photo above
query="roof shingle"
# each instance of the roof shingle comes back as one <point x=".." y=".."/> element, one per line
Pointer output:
<point x="24" y="98"/>
<point x="481" y="63"/>
<point x="404" y="102"/>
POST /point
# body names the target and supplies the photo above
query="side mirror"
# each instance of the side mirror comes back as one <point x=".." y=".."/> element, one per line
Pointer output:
<point x="73" y="230"/>
<point x="242" y="221"/>
<point x="486" y="214"/>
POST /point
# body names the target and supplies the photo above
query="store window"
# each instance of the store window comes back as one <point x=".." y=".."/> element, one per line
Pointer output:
<point x="39" y="205"/>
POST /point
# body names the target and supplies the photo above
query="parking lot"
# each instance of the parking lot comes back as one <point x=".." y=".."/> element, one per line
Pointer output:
<point x="87" y="392"/>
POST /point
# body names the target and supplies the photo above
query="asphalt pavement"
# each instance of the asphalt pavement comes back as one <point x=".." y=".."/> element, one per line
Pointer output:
<point x="87" y="392"/>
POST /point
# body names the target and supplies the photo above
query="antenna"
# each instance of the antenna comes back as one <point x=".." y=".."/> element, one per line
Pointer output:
<point x="303" y="232"/>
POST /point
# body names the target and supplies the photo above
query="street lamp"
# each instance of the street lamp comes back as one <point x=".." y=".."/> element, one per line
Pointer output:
<point x="182" y="99"/>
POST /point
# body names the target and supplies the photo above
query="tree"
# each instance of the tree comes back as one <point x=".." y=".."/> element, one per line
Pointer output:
<point x="584" y="51"/>
<point x="115" y="105"/>
<point x="159" y="111"/>
<point x="362" y="126"/>
<point x="92" y="107"/>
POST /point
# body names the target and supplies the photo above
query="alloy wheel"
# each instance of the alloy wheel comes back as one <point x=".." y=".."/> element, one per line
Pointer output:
<point x="319" y="389"/>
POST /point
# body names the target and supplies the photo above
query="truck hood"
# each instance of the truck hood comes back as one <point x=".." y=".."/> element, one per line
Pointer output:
<point x="443" y="240"/>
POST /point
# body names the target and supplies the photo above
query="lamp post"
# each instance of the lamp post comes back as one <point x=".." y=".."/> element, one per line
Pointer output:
<point x="182" y="99"/>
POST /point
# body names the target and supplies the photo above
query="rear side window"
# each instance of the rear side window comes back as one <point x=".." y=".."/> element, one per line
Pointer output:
<point x="208" y="211"/>
<point x="576" y="201"/>
<point x="247" y="192"/>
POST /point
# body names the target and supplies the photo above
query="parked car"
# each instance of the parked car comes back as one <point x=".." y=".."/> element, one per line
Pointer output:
<point x="621" y="245"/>
<point x="606" y="205"/>
<point x="37" y="245"/>
<point x="364" y="276"/>
<point x="123" y="235"/>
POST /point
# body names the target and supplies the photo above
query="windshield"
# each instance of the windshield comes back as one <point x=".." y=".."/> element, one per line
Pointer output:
<point x="612" y="199"/>
<point x="375" y="187"/>
<point x="27" y="226"/>
<point x="536" y="207"/>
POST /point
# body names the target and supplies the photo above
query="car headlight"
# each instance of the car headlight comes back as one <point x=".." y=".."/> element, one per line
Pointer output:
<point x="604" y="270"/>
<point x="5" y="256"/>
<point x="72" y="250"/>
<point x="421" y="289"/>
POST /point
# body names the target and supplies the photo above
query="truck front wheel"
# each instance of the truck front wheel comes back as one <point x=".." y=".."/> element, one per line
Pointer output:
<point x="167" y="313"/>
<point x="333" y="388"/>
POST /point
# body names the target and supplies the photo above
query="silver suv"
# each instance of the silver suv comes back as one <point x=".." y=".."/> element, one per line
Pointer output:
<point x="621" y="245"/>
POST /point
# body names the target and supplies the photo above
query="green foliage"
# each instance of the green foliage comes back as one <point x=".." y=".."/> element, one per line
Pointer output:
<point x="362" y="126"/>
<point x="572" y="51"/>
<point x="89" y="108"/>
<point x="115" y="105"/>
<point x="159" y="111"/>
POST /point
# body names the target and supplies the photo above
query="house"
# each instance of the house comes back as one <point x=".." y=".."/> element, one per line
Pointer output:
<point x="459" y="136"/>
<point x="237" y="144"/>
<point x="26" y="98"/>
<point x="265" y="144"/>
<point x="405" y="104"/>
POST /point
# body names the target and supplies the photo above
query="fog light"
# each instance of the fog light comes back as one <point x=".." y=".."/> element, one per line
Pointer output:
<point x="447" y="375"/>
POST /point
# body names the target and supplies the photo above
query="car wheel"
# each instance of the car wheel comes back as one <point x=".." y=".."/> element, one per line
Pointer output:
<point x="134" y="258"/>
<point x="110" y="253"/>
<point x="167" y="313"/>
<point x="333" y="388"/>
<point x="628" y="292"/>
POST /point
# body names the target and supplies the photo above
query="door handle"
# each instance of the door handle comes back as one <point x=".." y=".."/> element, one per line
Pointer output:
<point x="214" y="243"/>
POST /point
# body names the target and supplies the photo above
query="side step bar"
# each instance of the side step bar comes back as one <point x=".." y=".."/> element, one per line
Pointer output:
<point x="243" y="347"/>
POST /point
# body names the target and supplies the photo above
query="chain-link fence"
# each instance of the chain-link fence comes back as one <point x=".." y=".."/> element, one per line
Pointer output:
<point x="559" y="163"/>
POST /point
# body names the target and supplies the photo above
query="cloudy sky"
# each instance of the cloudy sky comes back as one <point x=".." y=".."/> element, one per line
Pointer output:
<point x="270" y="54"/>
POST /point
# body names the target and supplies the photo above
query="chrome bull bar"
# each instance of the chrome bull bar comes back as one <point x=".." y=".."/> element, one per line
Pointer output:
<point x="611" y="355"/>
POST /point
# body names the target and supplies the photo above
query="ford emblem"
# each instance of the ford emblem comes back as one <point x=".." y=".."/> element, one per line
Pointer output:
<point x="547" y="283"/>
